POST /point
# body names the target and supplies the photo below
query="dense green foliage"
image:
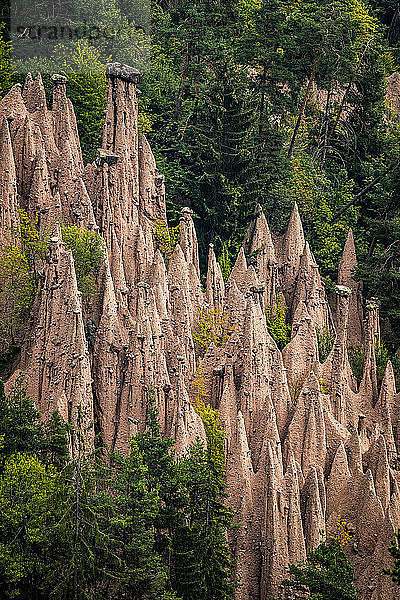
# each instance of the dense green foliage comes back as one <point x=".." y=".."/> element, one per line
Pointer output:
<point x="327" y="573"/>
<point x="356" y="358"/>
<point x="276" y="323"/>
<point x="143" y="526"/>
<point x="395" y="553"/>
<point x="88" y="251"/>
<point x="23" y="432"/>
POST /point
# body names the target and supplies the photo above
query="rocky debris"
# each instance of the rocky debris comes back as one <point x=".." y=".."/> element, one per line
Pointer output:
<point x="304" y="445"/>
<point x="310" y="290"/>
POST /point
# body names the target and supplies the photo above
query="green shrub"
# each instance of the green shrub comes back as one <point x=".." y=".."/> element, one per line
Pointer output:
<point x="21" y="256"/>
<point x="325" y="343"/>
<point x="276" y="322"/>
<point x="165" y="238"/>
<point x="88" y="251"/>
<point x="356" y="356"/>
<point x="327" y="573"/>
<point x="209" y="328"/>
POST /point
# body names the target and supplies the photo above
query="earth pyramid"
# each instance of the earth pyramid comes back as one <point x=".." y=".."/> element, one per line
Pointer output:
<point x="305" y="444"/>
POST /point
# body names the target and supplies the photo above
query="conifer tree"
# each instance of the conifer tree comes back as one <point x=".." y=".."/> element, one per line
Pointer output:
<point x="395" y="554"/>
<point x="225" y="180"/>
<point x="327" y="573"/>
<point x="23" y="431"/>
<point x="192" y="521"/>
<point x="129" y="515"/>
<point x="202" y="559"/>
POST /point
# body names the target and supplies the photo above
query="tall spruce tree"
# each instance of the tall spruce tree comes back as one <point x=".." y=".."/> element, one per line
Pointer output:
<point x="226" y="182"/>
<point x="192" y="522"/>
<point x="202" y="559"/>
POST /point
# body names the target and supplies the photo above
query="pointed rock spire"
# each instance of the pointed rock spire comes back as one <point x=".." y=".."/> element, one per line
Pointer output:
<point x="354" y="453"/>
<point x="178" y="275"/>
<point x="65" y="127"/>
<point x="12" y="105"/>
<point x="120" y="134"/>
<point x="109" y="354"/>
<point x="34" y="94"/>
<point x="300" y="356"/>
<point x="8" y="188"/>
<point x="346" y="270"/>
<point x="369" y="384"/>
<point x="296" y="542"/>
<point x="314" y="519"/>
<point x="338" y="481"/>
<point x="54" y="357"/>
<point x="388" y="387"/>
<point x="379" y="465"/>
<point x="261" y="251"/>
<point x="240" y="488"/>
<point x="215" y="283"/>
<point x="151" y="185"/>
<point x="188" y="239"/>
<point x="336" y="369"/>
<point x="275" y="548"/>
<point x="289" y="255"/>
<point x="310" y="290"/>
<point x="306" y="435"/>
<point x="187" y="426"/>
<point x="239" y="272"/>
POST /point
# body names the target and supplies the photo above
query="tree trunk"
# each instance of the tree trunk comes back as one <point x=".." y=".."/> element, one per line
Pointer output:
<point x="178" y="104"/>
<point x="342" y="102"/>
<point x="328" y="101"/>
<point x="304" y="104"/>
<point x="262" y="99"/>
<point x="363" y="191"/>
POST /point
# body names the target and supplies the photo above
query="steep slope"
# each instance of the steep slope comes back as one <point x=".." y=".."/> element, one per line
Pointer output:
<point x="304" y="444"/>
